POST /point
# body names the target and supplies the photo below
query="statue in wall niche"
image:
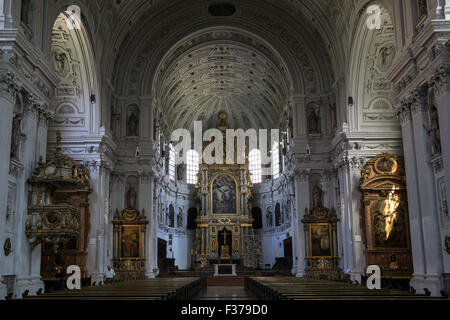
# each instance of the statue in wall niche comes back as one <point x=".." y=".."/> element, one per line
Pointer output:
<point x="317" y="197"/>
<point x="16" y="136"/>
<point x="434" y="131"/>
<point x="180" y="172"/>
<point x="180" y="219"/>
<point x="132" y="125"/>
<point x="131" y="198"/>
<point x="313" y="122"/>
<point x="269" y="217"/>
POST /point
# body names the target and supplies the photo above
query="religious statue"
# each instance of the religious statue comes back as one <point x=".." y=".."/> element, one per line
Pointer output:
<point x="180" y="219"/>
<point x="313" y="122"/>
<point x="317" y="197"/>
<point x="161" y="215"/>
<point x="16" y="136"/>
<point x="224" y="252"/>
<point x="434" y="132"/>
<point x="269" y="218"/>
<point x="132" y="125"/>
<point x="131" y="198"/>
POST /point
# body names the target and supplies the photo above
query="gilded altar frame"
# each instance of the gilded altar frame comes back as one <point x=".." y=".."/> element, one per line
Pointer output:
<point x="133" y="266"/>
<point x="244" y="241"/>
<point x="322" y="266"/>
<point x="141" y="240"/>
<point x="384" y="200"/>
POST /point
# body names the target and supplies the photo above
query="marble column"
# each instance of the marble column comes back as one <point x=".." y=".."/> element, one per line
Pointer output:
<point x="355" y="256"/>
<point x="302" y="198"/>
<point x="146" y="193"/>
<point x="9" y="88"/>
<point x="28" y="258"/>
<point x="427" y="194"/>
<point x="100" y="189"/>
<point x="415" y="219"/>
<point x="442" y="92"/>
<point x="346" y="238"/>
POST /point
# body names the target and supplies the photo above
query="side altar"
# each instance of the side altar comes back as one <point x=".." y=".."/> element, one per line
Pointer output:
<point x="224" y="233"/>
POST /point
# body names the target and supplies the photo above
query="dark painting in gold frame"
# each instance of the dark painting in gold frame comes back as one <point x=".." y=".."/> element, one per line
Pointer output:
<point x="320" y="240"/>
<point x="130" y="242"/>
<point x="386" y="165"/>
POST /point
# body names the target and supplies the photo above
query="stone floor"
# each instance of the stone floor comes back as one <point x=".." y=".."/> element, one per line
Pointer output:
<point x="224" y="293"/>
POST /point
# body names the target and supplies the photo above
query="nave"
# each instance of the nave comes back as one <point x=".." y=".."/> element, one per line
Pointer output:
<point x="255" y="288"/>
<point x="169" y="140"/>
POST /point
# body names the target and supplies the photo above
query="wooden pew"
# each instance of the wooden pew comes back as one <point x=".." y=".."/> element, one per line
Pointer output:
<point x="152" y="289"/>
<point x="290" y="288"/>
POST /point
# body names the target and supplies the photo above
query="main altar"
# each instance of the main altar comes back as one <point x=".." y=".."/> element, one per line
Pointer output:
<point x="224" y="233"/>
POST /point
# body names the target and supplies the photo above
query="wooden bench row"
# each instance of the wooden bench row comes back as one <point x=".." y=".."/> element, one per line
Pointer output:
<point x="290" y="288"/>
<point x="152" y="289"/>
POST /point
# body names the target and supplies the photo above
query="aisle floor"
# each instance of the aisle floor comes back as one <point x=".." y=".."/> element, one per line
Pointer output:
<point x="224" y="293"/>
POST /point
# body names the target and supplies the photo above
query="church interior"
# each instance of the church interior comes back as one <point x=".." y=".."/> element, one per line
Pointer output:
<point x="353" y="97"/>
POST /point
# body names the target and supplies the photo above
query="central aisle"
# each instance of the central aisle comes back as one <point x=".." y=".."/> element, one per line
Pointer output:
<point x="224" y="293"/>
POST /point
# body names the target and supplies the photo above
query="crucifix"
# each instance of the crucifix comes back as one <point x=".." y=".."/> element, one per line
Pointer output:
<point x="225" y="236"/>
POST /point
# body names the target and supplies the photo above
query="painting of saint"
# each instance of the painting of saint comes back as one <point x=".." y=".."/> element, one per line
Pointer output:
<point x="129" y="247"/>
<point x="320" y="241"/>
<point x="224" y="195"/>
<point x="389" y="223"/>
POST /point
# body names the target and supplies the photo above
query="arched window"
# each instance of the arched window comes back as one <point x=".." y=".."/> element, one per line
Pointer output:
<point x="192" y="167"/>
<point x="171" y="163"/>
<point x="254" y="160"/>
<point x="276" y="160"/>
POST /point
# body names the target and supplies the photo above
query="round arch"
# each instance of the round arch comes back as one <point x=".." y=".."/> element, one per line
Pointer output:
<point x="372" y="54"/>
<point x="73" y="60"/>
